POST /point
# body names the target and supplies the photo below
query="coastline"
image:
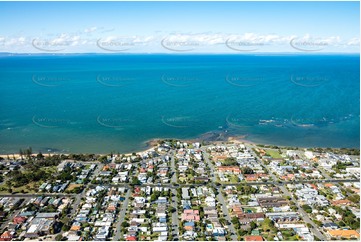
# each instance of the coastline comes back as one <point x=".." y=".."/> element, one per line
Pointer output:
<point x="149" y="146"/>
<point x="214" y="137"/>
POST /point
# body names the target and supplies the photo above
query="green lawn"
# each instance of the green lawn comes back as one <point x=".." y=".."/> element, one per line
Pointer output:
<point x="289" y="235"/>
<point x="4" y="188"/>
<point x="274" y="154"/>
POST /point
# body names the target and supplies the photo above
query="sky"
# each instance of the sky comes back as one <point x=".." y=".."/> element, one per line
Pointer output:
<point x="179" y="27"/>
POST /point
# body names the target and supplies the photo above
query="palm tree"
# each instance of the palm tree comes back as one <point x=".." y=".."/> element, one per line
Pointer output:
<point x="8" y="184"/>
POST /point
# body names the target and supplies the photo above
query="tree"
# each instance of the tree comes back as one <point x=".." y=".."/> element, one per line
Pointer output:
<point x="8" y="184"/>
<point x="267" y="225"/>
<point x="247" y="170"/>
<point x="21" y="153"/>
<point x="222" y="221"/>
<point x="307" y="208"/>
<point x="125" y="224"/>
<point x="40" y="156"/>
<point x="135" y="181"/>
<point x="29" y="152"/>
<point x="354" y="198"/>
<point x="253" y="225"/>
<point x="59" y="237"/>
<point x="235" y="222"/>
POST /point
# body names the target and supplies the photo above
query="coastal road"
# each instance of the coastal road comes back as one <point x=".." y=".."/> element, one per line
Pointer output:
<point x="121" y="216"/>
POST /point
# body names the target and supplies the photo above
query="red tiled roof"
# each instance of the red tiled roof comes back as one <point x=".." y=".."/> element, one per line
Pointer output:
<point x="253" y="238"/>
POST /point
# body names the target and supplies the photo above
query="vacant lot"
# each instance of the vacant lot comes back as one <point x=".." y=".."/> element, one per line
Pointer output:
<point x="72" y="187"/>
<point x="274" y="154"/>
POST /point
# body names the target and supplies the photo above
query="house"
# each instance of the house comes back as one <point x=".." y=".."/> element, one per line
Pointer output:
<point x="102" y="234"/>
<point x="342" y="202"/>
<point x="131" y="238"/>
<point x="190" y="215"/>
<point x="253" y="238"/>
<point x="75" y="227"/>
<point x="237" y="210"/>
<point x="185" y="194"/>
<point x="6" y="236"/>
<point x="51" y="216"/>
<point x="309" y="154"/>
<point x="248" y="217"/>
<point x="189" y="226"/>
<point x="270" y="202"/>
<point x="348" y="234"/>
<point x="39" y="227"/>
<point x="254" y="177"/>
<point x="19" y="219"/>
<point x="330" y="226"/>
<point x="229" y="169"/>
<point x="201" y="179"/>
<point x="287" y="217"/>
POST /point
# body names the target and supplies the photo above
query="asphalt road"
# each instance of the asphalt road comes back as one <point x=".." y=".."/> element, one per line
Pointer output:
<point x="121" y="216"/>
<point x="175" y="218"/>
<point x="302" y="212"/>
<point x="226" y="215"/>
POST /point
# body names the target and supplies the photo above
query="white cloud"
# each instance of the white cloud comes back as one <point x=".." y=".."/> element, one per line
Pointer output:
<point x="90" y="30"/>
<point x="207" y="41"/>
<point x="353" y="42"/>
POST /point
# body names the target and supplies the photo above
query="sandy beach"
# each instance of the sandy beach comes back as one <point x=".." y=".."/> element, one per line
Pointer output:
<point x="150" y="145"/>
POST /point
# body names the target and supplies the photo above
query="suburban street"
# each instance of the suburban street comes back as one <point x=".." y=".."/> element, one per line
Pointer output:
<point x="175" y="218"/>
<point x="226" y="215"/>
<point x="174" y="202"/>
<point x="302" y="212"/>
<point x="172" y="183"/>
<point x="209" y="163"/>
<point x="121" y="216"/>
<point x="78" y="197"/>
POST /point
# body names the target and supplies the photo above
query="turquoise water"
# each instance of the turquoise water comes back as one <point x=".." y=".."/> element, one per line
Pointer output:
<point x="103" y="103"/>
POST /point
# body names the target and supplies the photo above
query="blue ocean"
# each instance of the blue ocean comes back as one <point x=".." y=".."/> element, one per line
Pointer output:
<point x="116" y="103"/>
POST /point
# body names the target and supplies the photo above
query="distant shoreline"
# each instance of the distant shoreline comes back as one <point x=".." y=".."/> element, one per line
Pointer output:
<point x="152" y="143"/>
